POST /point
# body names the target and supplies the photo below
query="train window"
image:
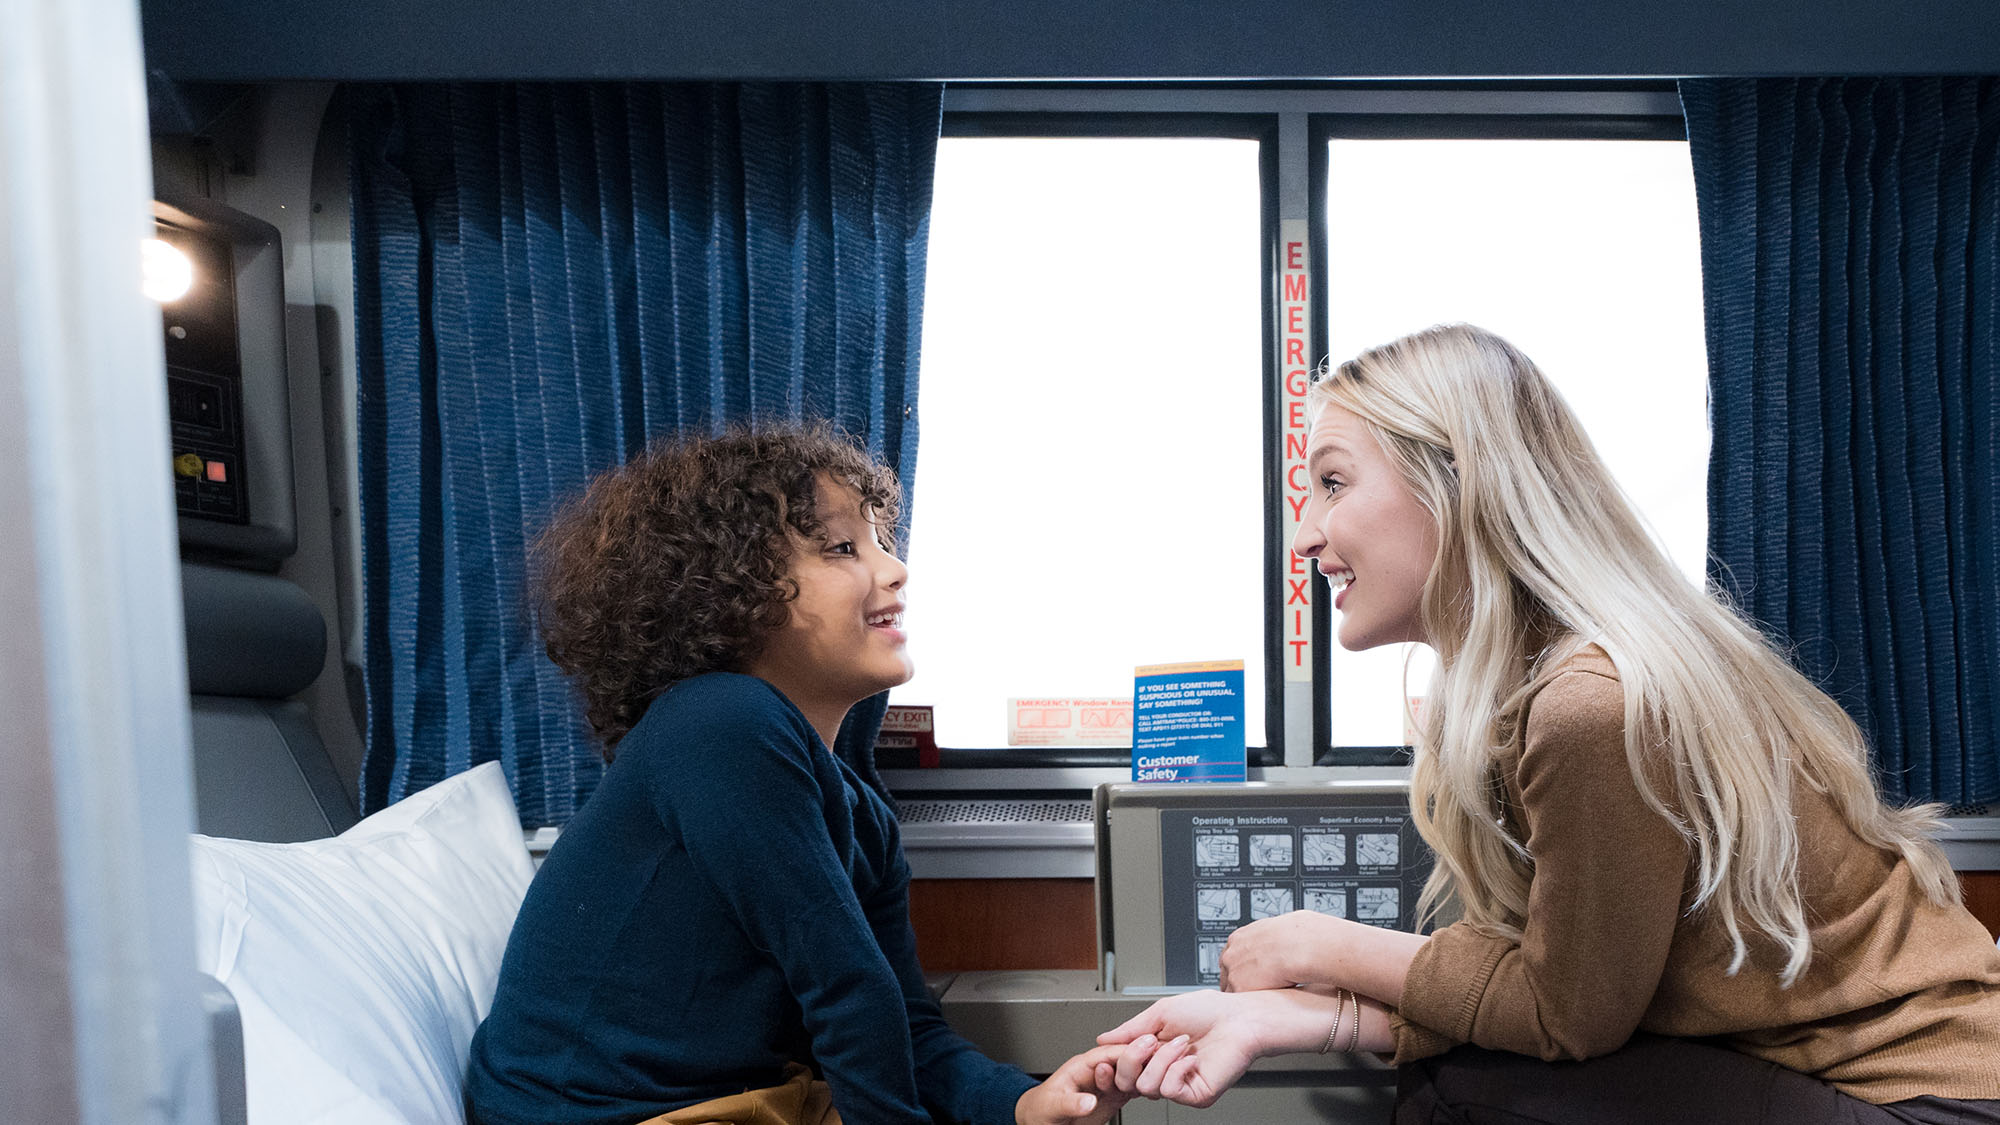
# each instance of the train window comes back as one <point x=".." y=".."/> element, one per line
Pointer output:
<point x="1091" y="464"/>
<point x="1582" y="252"/>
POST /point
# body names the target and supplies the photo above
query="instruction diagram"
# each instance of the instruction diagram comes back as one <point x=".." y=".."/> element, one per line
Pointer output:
<point x="1372" y="849"/>
<point x="1225" y="868"/>
<point x="1271" y="851"/>
<point x="1219" y="904"/>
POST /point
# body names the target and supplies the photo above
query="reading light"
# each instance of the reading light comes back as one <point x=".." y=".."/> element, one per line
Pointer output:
<point x="166" y="273"/>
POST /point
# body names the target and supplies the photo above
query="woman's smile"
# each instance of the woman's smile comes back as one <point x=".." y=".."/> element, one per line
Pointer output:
<point x="1340" y="579"/>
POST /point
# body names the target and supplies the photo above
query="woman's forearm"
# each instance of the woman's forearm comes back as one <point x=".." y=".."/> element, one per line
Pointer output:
<point x="1319" y="952"/>
<point x="1375" y="962"/>
<point x="1336" y="953"/>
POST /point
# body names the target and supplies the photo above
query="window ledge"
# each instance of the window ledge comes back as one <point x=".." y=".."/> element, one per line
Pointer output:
<point x="1972" y="843"/>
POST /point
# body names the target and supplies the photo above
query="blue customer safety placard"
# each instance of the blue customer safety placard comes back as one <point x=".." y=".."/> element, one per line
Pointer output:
<point x="1187" y="722"/>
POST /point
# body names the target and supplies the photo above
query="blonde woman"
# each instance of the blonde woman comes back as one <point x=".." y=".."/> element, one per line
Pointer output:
<point x="1683" y="898"/>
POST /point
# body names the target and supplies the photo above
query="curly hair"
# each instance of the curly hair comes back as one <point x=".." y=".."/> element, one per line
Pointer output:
<point x="679" y="562"/>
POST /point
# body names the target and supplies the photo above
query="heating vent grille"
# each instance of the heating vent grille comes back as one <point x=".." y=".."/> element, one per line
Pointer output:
<point x="1046" y="811"/>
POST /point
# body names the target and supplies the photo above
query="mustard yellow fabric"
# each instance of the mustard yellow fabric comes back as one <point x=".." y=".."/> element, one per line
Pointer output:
<point x="800" y="1100"/>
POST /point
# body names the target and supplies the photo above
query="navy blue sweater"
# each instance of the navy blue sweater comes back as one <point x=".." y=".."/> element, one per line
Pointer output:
<point x="732" y="897"/>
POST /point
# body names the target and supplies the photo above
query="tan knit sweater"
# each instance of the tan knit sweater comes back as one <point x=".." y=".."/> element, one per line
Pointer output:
<point x="1901" y="998"/>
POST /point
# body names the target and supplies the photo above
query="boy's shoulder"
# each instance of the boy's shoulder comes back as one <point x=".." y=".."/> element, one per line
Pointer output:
<point x="724" y="687"/>
<point x="722" y="705"/>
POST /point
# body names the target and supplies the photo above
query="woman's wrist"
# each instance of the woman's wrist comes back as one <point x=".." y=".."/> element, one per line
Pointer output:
<point x="1312" y="1019"/>
<point x="1298" y="1020"/>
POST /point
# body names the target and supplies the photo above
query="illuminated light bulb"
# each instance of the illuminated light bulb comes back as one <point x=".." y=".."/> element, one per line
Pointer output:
<point x="166" y="273"/>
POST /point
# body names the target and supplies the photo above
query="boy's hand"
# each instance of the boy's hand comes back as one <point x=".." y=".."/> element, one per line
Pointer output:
<point x="1080" y="1092"/>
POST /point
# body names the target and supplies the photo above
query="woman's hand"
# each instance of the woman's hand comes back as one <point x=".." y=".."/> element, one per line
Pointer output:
<point x="1280" y="952"/>
<point x="1319" y="951"/>
<point x="1193" y="1047"/>
<point x="1073" y="1095"/>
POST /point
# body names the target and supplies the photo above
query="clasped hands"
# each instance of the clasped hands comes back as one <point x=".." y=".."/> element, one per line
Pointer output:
<point x="1279" y="977"/>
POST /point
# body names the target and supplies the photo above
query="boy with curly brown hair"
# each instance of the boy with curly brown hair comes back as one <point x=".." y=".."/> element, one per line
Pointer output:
<point x="727" y="915"/>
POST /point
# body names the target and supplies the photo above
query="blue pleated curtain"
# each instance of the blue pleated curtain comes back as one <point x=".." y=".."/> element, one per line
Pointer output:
<point x="1850" y="233"/>
<point x="548" y="276"/>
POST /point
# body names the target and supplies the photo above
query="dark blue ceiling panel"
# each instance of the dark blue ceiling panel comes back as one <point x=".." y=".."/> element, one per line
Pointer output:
<point x="477" y="40"/>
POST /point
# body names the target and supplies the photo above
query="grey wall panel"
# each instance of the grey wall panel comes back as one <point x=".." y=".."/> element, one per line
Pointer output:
<point x="249" y="634"/>
<point x="261" y="773"/>
<point x="274" y="177"/>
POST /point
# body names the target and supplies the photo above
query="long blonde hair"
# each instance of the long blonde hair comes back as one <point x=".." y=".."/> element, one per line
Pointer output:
<point x="1536" y="541"/>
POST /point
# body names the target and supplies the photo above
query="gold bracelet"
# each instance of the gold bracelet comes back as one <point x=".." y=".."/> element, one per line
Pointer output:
<point x="1354" y="1035"/>
<point x="1333" y="1033"/>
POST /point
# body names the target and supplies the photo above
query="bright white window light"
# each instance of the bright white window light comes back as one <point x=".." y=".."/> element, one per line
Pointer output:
<point x="165" y="273"/>
<point x="1089" y="491"/>
<point x="1585" y="254"/>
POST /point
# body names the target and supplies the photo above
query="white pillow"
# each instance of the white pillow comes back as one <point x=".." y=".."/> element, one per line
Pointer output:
<point x="363" y="963"/>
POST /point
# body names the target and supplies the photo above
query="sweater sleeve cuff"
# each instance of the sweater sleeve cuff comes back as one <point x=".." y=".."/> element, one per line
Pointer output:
<point x="1002" y="1094"/>
<point x="1448" y="978"/>
<point x="1415" y="1041"/>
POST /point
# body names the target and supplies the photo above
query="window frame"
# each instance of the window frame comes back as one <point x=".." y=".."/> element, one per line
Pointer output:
<point x="1263" y="129"/>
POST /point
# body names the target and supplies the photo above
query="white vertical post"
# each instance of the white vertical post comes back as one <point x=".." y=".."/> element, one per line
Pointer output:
<point x="96" y="697"/>
<point x="1292" y="281"/>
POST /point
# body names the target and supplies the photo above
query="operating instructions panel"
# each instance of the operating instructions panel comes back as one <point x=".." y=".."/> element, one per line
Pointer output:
<point x="1225" y="868"/>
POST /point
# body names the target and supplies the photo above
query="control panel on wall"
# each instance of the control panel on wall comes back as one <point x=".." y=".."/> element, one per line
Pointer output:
<point x="197" y="294"/>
